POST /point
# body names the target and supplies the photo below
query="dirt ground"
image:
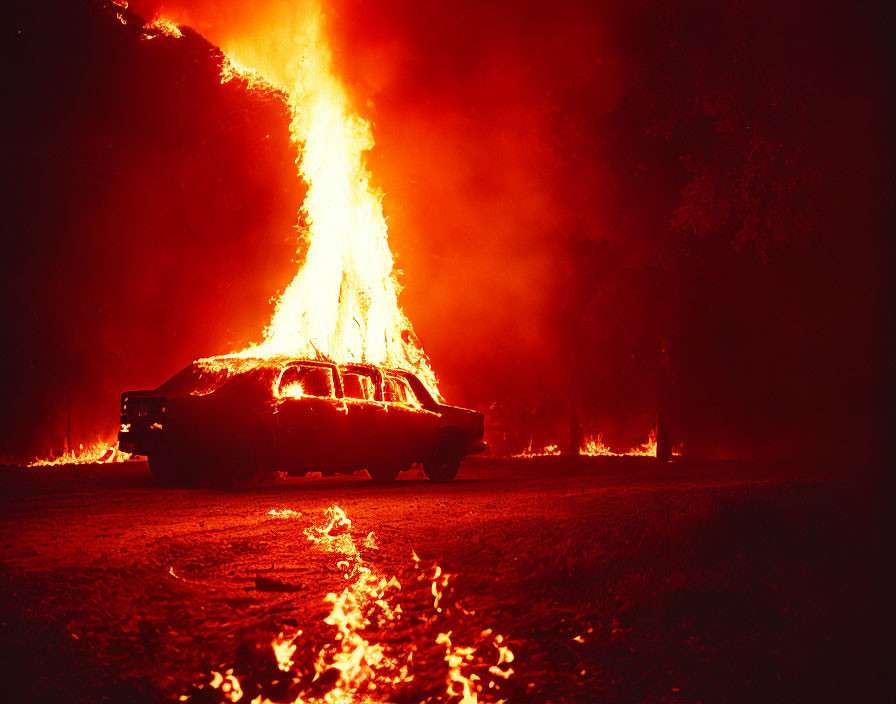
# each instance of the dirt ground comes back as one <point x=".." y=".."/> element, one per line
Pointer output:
<point x="612" y="579"/>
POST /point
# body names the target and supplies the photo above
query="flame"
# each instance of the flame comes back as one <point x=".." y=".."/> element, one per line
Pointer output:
<point x="284" y="513"/>
<point x="594" y="446"/>
<point x="123" y="5"/>
<point x="293" y="390"/>
<point x="357" y="660"/>
<point x="161" y="27"/>
<point x="439" y="582"/>
<point x="368" y="598"/>
<point x="343" y="302"/>
<point x="231" y="69"/>
<point x="458" y="657"/>
<point x="98" y="453"/>
<point x="228" y="684"/>
<point x="646" y="448"/>
<point x="505" y="655"/>
<point x="455" y="657"/>
<point x="546" y="451"/>
<point x="284" y="648"/>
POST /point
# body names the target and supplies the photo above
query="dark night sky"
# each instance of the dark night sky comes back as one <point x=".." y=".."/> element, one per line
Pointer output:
<point x="567" y="184"/>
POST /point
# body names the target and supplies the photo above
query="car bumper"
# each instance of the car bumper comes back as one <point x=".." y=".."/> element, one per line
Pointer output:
<point x="476" y="447"/>
<point x="140" y="440"/>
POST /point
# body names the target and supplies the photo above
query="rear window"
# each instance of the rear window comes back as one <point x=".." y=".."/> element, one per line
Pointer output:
<point x="397" y="390"/>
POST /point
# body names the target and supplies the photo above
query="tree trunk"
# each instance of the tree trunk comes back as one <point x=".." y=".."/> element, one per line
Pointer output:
<point x="68" y="425"/>
<point x="576" y="436"/>
<point x="663" y="435"/>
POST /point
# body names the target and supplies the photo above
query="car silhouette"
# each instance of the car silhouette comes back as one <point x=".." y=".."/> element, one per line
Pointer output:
<point x="231" y="421"/>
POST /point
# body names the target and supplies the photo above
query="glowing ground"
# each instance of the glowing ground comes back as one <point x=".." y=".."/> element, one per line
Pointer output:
<point x="613" y="579"/>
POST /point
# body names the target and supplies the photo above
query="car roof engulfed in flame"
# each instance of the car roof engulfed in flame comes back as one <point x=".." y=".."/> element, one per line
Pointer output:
<point x="207" y="375"/>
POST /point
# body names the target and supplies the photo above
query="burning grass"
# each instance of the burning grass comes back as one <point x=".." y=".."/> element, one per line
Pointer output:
<point x="594" y="446"/>
<point x="98" y="453"/>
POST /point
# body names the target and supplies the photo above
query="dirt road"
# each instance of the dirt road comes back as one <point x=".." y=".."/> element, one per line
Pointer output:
<point x="613" y="579"/>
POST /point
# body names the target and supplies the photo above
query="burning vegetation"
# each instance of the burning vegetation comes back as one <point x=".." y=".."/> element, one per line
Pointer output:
<point x="161" y="26"/>
<point x="98" y="453"/>
<point x="594" y="446"/>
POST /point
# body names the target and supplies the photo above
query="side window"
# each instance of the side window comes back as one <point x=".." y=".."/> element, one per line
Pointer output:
<point x="398" y="390"/>
<point x="392" y="390"/>
<point x="298" y="381"/>
<point x="410" y="397"/>
<point x="358" y="386"/>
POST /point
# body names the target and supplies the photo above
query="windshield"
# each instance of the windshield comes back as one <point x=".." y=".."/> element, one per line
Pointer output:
<point x="196" y="380"/>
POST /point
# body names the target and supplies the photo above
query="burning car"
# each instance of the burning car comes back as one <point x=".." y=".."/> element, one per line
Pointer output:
<point x="232" y="420"/>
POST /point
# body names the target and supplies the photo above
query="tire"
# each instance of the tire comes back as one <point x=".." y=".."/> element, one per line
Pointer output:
<point x="384" y="473"/>
<point x="170" y="469"/>
<point x="444" y="462"/>
<point x="244" y="467"/>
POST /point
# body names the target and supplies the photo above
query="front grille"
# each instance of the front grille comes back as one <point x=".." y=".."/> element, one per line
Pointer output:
<point x="142" y="410"/>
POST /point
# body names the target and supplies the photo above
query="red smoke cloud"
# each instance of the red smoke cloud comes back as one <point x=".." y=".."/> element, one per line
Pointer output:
<point x="568" y="187"/>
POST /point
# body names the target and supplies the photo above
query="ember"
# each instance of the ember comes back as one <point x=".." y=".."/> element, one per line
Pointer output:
<point x="363" y="615"/>
<point x="284" y="513"/>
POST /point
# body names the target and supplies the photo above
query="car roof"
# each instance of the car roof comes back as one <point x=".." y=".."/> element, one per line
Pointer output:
<point x="237" y="364"/>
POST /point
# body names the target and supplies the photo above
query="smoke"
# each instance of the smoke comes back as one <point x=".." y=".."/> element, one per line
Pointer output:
<point x="567" y="185"/>
<point x="463" y="100"/>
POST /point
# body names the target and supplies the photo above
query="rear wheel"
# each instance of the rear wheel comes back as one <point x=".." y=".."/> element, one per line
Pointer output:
<point x="441" y="469"/>
<point x="384" y="473"/>
<point x="444" y="462"/>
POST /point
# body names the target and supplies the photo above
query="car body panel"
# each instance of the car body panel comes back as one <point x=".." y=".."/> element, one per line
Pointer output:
<point x="209" y="413"/>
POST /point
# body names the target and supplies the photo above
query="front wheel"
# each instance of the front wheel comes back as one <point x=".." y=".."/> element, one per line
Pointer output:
<point x="246" y="467"/>
<point x="170" y="469"/>
<point x="241" y="461"/>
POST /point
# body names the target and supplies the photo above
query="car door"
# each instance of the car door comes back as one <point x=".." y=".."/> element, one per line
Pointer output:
<point x="311" y="418"/>
<point x="366" y="415"/>
<point x="410" y="429"/>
